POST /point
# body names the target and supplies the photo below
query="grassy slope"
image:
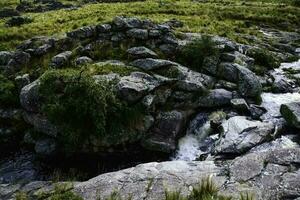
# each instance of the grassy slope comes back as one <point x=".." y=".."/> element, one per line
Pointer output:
<point x="222" y="17"/>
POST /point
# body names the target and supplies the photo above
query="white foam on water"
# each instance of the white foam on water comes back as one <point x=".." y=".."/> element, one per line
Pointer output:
<point x="272" y="103"/>
<point x="189" y="145"/>
<point x="188" y="148"/>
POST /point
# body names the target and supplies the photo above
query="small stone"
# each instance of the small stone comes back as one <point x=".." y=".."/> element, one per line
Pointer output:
<point x="240" y="105"/>
<point x="291" y="113"/>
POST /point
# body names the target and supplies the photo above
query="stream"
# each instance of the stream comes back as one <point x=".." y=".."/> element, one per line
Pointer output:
<point x="190" y="146"/>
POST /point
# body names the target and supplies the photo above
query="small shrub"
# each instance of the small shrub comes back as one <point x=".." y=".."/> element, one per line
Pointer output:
<point x="21" y="196"/>
<point x="174" y="195"/>
<point x="80" y="107"/>
<point x="60" y="192"/>
<point x="8" y="92"/>
<point x="246" y="196"/>
<point x="194" y="53"/>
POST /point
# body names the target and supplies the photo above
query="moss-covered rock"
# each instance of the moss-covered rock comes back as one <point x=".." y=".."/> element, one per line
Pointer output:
<point x="85" y="109"/>
<point x="8" y="92"/>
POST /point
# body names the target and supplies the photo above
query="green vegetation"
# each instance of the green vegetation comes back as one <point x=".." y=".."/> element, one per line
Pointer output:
<point x="81" y="108"/>
<point x="61" y="192"/>
<point x="231" y="18"/>
<point x="205" y="190"/>
<point x="194" y="53"/>
<point x="109" y="68"/>
<point x="8" y="92"/>
<point x="264" y="60"/>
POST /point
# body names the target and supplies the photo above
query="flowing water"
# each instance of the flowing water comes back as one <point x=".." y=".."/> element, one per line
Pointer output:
<point x="189" y="147"/>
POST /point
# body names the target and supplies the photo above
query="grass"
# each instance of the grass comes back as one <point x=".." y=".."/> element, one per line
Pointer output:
<point x="231" y="18"/>
<point x="205" y="190"/>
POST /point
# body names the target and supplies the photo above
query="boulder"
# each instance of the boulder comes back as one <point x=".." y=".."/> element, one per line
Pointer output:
<point x="240" y="105"/>
<point x="148" y="181"/>
<point x="29" y="97"/>
<point x="41" y="124"/>
<point x="125" y="23"/>
<point x="241" y="134"/>
<point x="149" y="64"/>
<point x="61" y="59"/>
<point x="22" y="80"/>
<point x="195" y="82"/>
<point x="215" y="98"/>
<point x="19" y="60"/>
<point x="43" y="49"/>
<point x="269" y="173"/>
<point x="166" y="129"/>
<point x="5" y="56"/>
<point x="141" y="52"/>
<point x="137" y="33"/>
<point x="45" y="147"/>
<point x="291" y="113"/>
<point x="248" y="83"/>
<point x="84" y="60"/>
<point x="137" y="85"/>
<point x="83" y="33"/>
<point x="103" y="28"/>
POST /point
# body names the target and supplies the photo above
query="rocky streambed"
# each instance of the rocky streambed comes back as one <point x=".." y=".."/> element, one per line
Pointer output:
<point x="107" y="97"/>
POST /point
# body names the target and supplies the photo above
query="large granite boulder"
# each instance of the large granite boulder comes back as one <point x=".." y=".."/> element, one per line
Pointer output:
<point x="61" y="59"/>
<point x="148" y="181"/>
<point x="248" y="83"/>
<point x="241" y="134"/>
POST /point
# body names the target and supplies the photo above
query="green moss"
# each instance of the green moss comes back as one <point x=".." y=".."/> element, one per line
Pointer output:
<point x="8" y="92"/>
<point x="194" y="53"/>
<point x="106" y="51"/>
<point x="110" y="68"/>
<point x="82" y="108"/>
<point x="264" y="60"/>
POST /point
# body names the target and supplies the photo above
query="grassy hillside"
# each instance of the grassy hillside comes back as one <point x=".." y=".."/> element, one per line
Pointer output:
<point x="229" y="18"/>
